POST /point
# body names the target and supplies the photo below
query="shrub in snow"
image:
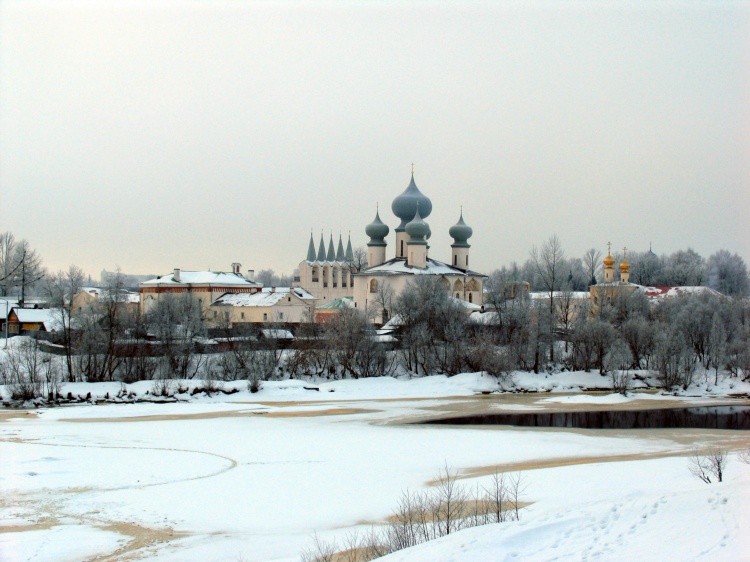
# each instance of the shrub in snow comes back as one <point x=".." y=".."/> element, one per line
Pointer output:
<point x="163" y="387"/>
<point x="424" y="516"/>
<point x="708" y="465"/>
<point x="618" y="361"/>
<point x="29" y="373"/>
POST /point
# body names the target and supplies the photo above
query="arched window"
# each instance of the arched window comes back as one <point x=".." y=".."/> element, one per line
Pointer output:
<point x="373" y="285"/>
<point x="458" y="285"/>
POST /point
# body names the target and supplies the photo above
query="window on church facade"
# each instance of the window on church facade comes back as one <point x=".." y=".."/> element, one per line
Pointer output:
<point x="374" y="286"/>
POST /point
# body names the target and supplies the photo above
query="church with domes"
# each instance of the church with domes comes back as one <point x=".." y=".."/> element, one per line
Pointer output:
<point x="385" y="278"/>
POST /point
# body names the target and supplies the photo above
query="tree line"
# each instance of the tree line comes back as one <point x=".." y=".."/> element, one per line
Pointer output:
<point x="548" y="268"/>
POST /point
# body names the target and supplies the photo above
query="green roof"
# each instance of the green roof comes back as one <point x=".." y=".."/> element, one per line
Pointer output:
<point x="343" y="302"/>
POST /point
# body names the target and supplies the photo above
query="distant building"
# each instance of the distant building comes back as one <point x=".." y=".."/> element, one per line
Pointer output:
<point x="129" y="300"/>
<point x="610" y="290"/>
<point x="288" y="305"/>
<point x="206" y="286"/>
<point x="26" y="320"/>
<point x="324" y="312"/>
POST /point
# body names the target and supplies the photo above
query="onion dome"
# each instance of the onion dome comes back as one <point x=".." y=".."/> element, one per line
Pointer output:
<point x="377" y="230"/>
<point x="609" y="262"/>
<point x="405" y="205"/>
<point x="311" y="250"/>
<point x="417" y="229"/>
<point x="460" y="232"/>
<point x="624" y="266"/>
<point x="340" y="250"/>
<point x="322" y="249"/>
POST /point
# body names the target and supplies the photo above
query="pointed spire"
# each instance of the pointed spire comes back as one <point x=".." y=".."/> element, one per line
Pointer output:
<point x="311" y="250"/>
<point x="340" y="250"/>
<point x="321" y="249"/>
<point x="331" y="254"/>
<point x="349" y="252"/>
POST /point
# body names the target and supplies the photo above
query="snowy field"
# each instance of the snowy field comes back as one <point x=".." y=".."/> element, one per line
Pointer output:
<point x="253" y="476"/>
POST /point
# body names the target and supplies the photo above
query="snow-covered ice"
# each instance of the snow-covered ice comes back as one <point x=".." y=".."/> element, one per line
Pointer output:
<point x="253" y="476"/>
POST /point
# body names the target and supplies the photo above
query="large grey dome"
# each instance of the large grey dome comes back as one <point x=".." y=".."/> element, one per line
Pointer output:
<point x="405" y="205"/>
<point x="377" y="230"/>
<point x="460" y="232"/>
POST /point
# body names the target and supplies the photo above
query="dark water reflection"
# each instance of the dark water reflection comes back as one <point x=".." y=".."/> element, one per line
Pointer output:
<point x="703" y="417"/>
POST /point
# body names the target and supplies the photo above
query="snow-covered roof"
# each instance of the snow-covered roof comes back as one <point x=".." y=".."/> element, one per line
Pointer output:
<point x="277" y="334"/>
<point x="465" y="304"/>
<point x="561" y="294"/>
<point x="671" y="292"/>
<point x="393" y="323"/>
<point x="398" y="266"/>
<point x="485" y="318"/>
<point x="49" y="317"/>
<point x="268" y="296"/>
<point x="202" y="278"/>
<point x="123" y="295"/>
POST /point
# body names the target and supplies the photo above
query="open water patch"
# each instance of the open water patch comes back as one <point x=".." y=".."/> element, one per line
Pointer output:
<point x="699" y="417"/>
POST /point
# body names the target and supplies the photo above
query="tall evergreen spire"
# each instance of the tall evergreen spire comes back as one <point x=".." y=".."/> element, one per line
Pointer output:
<point x="340" y="250"/>
<point x="349" y="253"/>
<point x="311" y="250"/>
<point x="322" y="249"/>
<point x="331" y="254"/>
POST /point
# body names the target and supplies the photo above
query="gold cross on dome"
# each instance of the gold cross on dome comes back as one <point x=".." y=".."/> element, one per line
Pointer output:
<point x="609" y="248"/>
<point x="624" y="252"/>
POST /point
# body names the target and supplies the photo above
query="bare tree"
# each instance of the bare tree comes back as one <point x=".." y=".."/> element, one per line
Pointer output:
<point x="548" y="261"/>
<point x="710" y="464"/>
<point x="20" y="266"/>
<point x="359" y="259"/>
<point x="177" y="320"/>
<point x="592" y="263"/>
<point x="60" y="289"/>
<point x="617" y="362"/>
<point x="382" y="303"/>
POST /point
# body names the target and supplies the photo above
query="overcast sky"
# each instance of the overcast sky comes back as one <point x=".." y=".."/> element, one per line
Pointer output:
<point x="154" y="135"/>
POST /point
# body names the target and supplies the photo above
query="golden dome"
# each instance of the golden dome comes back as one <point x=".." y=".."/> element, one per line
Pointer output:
<point x="609" y="261"/>
<point x="624" y="266"/>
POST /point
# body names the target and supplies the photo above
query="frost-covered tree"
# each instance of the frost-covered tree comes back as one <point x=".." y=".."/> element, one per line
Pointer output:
<point x="176" y="320"/>
<point x="549" y="262"/>
<point x="685" y="268"/>
<point x="20" y="266"/>
<point x="592" y="263"/>
<point x="727" y="273"/>
<point x="60" y="289"/>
